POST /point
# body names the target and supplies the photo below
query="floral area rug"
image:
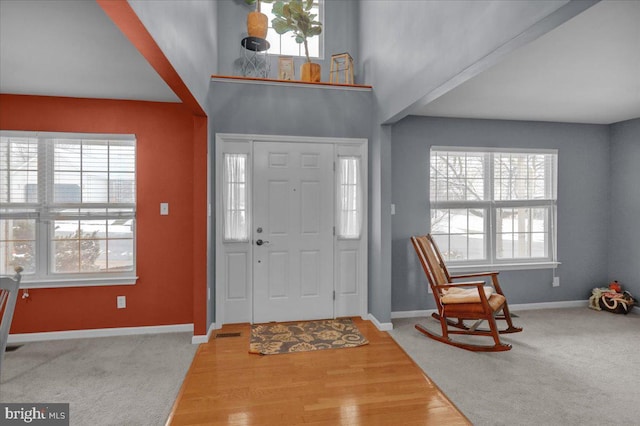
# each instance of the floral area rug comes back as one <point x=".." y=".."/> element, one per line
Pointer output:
<point x="280" y="338"/>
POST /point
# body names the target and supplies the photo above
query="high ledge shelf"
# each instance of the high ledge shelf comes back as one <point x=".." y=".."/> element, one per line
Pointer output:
<point x="322" y="85"/>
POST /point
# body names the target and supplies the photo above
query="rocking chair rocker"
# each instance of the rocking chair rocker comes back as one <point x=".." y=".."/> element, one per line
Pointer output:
<point x="463" y="301"/>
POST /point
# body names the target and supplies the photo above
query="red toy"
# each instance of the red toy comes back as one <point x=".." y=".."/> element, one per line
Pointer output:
<point x="615" y="287"/>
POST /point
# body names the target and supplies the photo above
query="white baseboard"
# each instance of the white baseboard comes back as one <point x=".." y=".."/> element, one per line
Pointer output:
<point x="412" y="314"/>
<point x="199" y="339"/>
<point x="382" y="326"/>
<point x="98" y="332"/>
<point x="550" y="305"/>
<point x="519" y="307"/>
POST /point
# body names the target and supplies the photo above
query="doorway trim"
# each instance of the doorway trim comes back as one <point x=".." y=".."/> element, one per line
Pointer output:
<point x="234" y="260"/>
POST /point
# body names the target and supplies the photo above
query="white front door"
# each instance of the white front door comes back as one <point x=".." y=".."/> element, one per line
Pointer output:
<point x="293" y="211"/>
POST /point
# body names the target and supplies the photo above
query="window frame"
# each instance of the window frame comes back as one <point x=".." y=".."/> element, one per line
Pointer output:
<point x="46" y="211"/>
<point x="320" y="37"/>
<point x="491" y="205"/>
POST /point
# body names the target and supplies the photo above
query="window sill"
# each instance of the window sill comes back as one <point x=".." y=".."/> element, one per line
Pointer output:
<point x="26" y="283"/>
<point x="503" y="267"/>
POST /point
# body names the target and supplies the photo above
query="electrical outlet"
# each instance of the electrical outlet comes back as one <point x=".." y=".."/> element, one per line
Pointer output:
<point x="556" y="281"/>
<point x="121" y="302"/>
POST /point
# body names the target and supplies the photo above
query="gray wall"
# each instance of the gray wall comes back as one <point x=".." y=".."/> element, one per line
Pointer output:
<point x="380" y="224"/>
<point x="184" y="31"/>
<point x="427" y="50"/>
<point x="340" y="35"/>
<point x="583" y="203"/>
<point x="281" y="109"/>
<point x="269" y="109"/>
<point x="624" y="235"/>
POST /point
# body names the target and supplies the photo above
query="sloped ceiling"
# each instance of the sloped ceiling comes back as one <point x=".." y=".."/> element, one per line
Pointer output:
<point x="71" y="48"/>
<point x="585" y="71"/>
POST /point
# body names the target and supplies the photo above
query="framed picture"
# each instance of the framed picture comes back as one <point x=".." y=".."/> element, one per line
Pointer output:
<point x="286" y="69"/>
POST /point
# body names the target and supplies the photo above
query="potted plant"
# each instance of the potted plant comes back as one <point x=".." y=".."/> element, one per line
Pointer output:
<point x="257" y="22"/>
<point x="296" y="16"/>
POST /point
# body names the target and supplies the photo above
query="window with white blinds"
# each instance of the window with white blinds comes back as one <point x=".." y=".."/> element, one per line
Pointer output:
<point x="492" y="206"/>
<point x="68" y="206"/>
<point x="349" y="203"/>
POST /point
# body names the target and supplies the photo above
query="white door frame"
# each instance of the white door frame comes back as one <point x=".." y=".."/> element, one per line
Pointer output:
<point x="234" y="259"/>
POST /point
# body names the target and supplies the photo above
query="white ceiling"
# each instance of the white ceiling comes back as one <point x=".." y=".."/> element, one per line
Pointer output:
<point x="585" y="71"/>
<point x="71" y="48"/>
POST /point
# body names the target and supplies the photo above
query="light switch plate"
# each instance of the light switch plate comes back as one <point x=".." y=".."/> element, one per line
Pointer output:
<point x="164" y="209"/>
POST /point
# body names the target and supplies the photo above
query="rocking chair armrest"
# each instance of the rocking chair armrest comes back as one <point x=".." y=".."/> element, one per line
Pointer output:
<point x="477" y="284"/>
<point x="475" y="274"/>
<point x="494" y="279"/>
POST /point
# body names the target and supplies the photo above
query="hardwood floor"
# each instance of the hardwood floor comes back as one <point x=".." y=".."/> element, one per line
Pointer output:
<point x="375" y="384"/>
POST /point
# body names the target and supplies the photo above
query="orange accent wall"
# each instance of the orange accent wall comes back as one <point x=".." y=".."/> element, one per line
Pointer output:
<point x="171" y="250"/>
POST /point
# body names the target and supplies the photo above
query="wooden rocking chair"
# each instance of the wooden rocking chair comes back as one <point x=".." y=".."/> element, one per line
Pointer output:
<point x="463" y="301"/>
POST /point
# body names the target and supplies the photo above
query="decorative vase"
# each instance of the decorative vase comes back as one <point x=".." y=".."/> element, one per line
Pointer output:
<point x="310" y="72"/>
<point x="257" y="24"/>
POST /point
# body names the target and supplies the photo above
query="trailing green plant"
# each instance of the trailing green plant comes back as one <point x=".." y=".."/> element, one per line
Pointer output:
<point x="296" y="16"/>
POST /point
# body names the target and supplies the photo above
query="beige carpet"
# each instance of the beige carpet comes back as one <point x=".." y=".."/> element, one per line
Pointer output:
<point x="127" y="380"/>
<point x="271" y="339"/>
<point x="572" y="366"/>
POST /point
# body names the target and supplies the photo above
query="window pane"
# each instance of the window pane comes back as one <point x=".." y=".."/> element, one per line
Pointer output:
<point x="523" y="176"/>
<point x="234" y="197"/>
<point x="457" y="176"/>
<point x="122" y="158"/>
<point x="67" y="187"/>
<point x="17" y="245"/>
<point x="95" y="187"/>
<point x="95" y="156"/>
<point x="349" y="193"/>
<point x="522" y="233"/>
<point x="288" y="45"/>
<point x="465" y="229"/>
<point x="78" y="244"/>
<point x="18" y="170"/>
<point x="67" y="155"/>
<point x="122" y="187"/>
<point x="439" y="221"/>
<point x="120" y="255"/>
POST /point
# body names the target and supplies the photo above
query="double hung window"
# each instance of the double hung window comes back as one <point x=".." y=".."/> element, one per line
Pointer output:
<point x="68" y="207"/>
<point x="494" y="207"/>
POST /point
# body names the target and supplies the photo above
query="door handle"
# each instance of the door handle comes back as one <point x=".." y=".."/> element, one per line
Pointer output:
<point x="260" y="242"/>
